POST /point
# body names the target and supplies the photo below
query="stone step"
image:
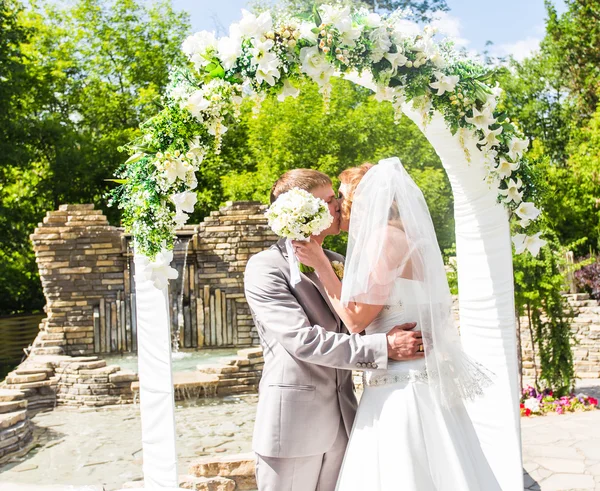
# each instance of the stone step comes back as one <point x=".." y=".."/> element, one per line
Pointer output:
<point x="31" y="369"/>
<point x="32" y="385"/>
<point x="51" y="336"/>
<point x="48" y="351"/>
<point x="217" y="369"/>
<point x="14" y="379"/>
<point x="239" y="468"/>
<point x="82" y="365"/>
<point x="123" y="376"/>
<point x="50" y="343"/>
<point x="207" y="483"/>
<point x="7" y="395"/>
<point x="10" y="419"/>
<point x="249" y="353"/>
<point x="12" y="406"/>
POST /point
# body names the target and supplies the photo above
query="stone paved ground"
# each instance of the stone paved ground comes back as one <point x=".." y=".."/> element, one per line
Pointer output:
<point x="560" y="453"/>
<point x="563" y="452"/>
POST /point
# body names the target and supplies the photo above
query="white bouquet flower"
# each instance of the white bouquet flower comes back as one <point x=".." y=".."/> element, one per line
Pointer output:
<point x="297" y="215"/>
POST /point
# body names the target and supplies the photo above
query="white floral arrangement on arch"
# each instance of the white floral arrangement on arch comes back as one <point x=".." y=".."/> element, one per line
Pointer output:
<point x="263" y="56"/>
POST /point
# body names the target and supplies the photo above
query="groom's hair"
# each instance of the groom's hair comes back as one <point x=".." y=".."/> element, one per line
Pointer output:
<point x="307" y="179"/>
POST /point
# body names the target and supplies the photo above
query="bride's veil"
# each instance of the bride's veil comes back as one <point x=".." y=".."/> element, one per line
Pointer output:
<point x="394" y="259"/>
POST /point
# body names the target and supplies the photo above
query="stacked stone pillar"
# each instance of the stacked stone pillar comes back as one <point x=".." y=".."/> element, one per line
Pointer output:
<point x="81" y="262"/>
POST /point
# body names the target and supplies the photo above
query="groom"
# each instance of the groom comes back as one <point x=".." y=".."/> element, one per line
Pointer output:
<point x="306" y="403"/>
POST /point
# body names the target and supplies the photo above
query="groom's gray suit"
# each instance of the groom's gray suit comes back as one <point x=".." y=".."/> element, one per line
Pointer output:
<point x="306" y="401"/>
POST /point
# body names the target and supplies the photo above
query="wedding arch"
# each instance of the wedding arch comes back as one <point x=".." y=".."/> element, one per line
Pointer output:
<point x="450" y="99"/>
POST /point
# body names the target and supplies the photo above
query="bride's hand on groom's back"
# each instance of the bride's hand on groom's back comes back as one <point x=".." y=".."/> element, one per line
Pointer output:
<point x="404" y="343"/>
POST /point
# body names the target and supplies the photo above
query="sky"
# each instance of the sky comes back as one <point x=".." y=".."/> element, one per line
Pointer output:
<point x="514" y="26"/>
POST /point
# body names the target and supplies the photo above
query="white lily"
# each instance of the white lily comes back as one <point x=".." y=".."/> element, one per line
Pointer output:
<point x="196" y="149"/>
<point x="261" y="55"/>
<point x="197" y="103"/>
<point x="532" y="243"/>
<point x="199" y="43"/>
<point x="516" y="147"/>
<point x="336" y="16"/>
<point x="490" y="140"/>
<point x="493" y="98"/>
<point x="180" y="218"/>
<point x="396" y="59"/>
<point x="506" y="168"/>
<point x="288" y="91"/>
<point x="373" y="20"/>
<point x="159" y="271"/>
<point x="191" y="180"/>
<point x="512" y="191"/>
<point x="174" y="169"/>
<point x="445" y="83"/>
<point x="350" y="35"/>
<point x="215" y="127"/>
<point x="185" y="201"/>
<point x="252" y="26"/>
<point x="438" y="60"/>
<point x="405" y="29"/>
<point x="482" y="119"/>
<point x="384" y="94"/>
<point x="527" y="211"/>
<point x="267" y="74"/>
<point x="229" y="49"/>
<point x="306" y="32"/>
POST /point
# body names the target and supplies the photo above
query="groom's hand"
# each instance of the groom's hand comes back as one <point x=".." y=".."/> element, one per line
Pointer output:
<point x="404" y="343"/>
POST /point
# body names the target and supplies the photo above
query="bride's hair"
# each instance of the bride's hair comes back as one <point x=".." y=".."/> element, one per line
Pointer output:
<point x="306" y="179"/>
<point x="352" y="177"/>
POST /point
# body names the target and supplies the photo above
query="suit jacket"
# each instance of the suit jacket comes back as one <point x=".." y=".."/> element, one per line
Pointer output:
<point x="306" y="383"/>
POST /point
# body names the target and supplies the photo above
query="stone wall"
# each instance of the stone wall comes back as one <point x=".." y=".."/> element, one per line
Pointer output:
<point x="81" y="263"/>
<point x="86" y="269"/>
<point x="16" y="430"/>
<point x="585" y="327"/>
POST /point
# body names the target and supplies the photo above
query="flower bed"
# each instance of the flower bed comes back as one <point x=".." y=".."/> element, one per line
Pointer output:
<point x="540" y="403"/>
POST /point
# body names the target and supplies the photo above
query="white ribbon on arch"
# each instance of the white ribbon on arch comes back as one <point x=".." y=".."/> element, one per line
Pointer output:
<point x="486" y="291"/>
<point x="157" y="402"/>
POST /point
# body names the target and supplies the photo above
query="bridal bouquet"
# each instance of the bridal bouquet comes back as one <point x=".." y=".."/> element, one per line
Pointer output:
<point x="297" y="215"/>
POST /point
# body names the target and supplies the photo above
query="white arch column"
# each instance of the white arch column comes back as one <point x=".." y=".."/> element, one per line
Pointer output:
<point x="486" y="296"/>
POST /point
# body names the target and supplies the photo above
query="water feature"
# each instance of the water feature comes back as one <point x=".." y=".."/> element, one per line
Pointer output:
<point x="180" y="317"/>
<point x="103" y="446"/>
<point x="182" y="360"/>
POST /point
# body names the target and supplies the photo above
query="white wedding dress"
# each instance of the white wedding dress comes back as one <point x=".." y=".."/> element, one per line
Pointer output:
<point x="401" y="439"/>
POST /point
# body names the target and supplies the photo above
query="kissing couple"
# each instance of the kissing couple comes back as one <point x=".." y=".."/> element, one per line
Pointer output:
<point x="389" y="317"/>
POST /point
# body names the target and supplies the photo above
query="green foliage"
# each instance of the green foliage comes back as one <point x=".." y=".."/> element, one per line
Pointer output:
<point x="80" y="78"/>
<point x="571" y="44"/>
<point x="554" y="97"/>
<point x="538" y="285"/>
<point x="299" y="134"/>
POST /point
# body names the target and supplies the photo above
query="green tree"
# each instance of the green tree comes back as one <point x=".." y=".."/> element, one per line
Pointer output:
<point x="94" y="71"/>
<point x="300" y="133"/>
<point x="554" y="96"/>
<point x="572" y="42"/>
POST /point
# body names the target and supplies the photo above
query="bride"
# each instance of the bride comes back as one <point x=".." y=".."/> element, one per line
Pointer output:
<point x="411" y="432"/>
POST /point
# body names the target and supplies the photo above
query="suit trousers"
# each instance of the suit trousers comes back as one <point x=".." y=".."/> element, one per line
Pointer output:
<point x="313" y="473"/>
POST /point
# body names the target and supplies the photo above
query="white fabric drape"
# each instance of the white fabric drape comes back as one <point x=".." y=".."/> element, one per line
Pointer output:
<point x="486" y="296"/>
<point x="157" y="406"/>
